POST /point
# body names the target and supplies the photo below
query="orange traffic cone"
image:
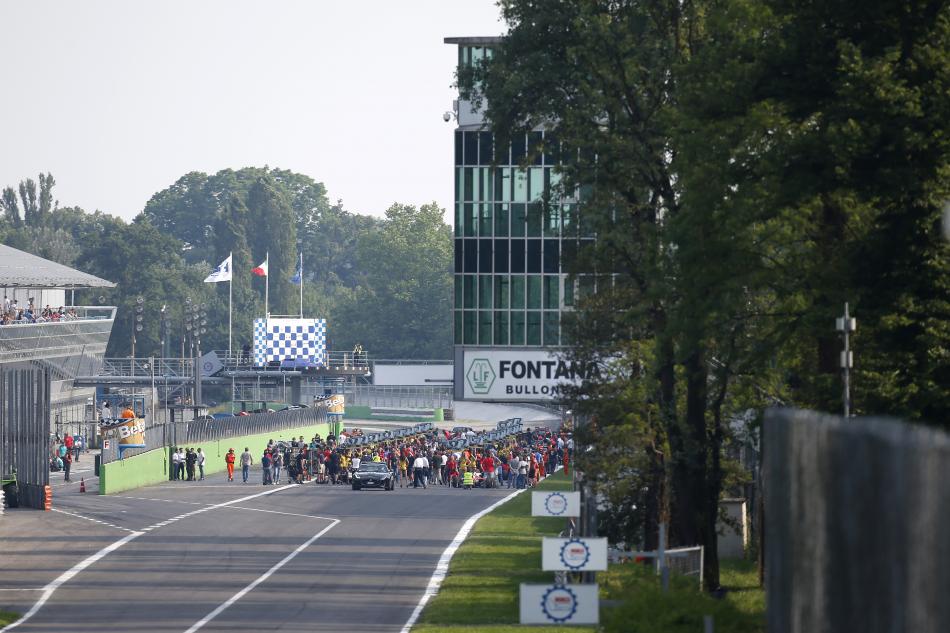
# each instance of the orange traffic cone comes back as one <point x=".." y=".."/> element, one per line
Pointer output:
<point x="82" y="484"/>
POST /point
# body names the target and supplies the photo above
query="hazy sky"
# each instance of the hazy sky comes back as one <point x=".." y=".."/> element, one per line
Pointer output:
<point x="118" y="99"/>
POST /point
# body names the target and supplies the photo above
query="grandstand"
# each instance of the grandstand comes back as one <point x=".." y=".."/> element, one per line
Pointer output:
<point x="39" y="357"/>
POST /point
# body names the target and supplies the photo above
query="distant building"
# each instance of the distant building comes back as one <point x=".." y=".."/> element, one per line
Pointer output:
<point x="513" y="241"/>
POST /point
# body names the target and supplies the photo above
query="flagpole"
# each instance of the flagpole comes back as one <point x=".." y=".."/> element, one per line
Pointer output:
<point x="230" y="298"/>
<point x="267" y="286"/>
<point x="301" y="284"/>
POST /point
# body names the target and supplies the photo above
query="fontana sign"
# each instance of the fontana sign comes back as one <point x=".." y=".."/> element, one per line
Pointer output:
<point x="519" y="375"/>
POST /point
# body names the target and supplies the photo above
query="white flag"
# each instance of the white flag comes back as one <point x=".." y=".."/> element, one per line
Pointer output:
<point x="221" y="273"/>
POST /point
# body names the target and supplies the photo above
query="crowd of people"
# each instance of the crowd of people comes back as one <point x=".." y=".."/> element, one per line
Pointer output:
<point x="64" y="452"/>
<point x="517" y="461"/>
<point x="13" y="313"/>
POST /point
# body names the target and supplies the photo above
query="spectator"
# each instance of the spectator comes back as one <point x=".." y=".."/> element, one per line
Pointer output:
<point x="246" y="460"/>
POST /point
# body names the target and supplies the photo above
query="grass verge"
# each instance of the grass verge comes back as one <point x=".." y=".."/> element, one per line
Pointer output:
<point x="481" y="592"/>
<point x="6" y="617"/>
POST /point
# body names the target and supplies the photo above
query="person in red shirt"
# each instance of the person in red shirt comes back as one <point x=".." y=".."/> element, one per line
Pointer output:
<point x="452" y="471"/>
<point x="488" y="468"/>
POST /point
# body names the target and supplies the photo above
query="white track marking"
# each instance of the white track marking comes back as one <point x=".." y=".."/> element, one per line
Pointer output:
<point x="290" y="514"/>
<point x="21" y="589"/>
<point x="442" y="567"/>
<point x="80" y="516"/>
<point x="66" y="576"/>
<point x="83" y="564"/>
<point x="192" y="503"/>
<point x="200" y="623"/>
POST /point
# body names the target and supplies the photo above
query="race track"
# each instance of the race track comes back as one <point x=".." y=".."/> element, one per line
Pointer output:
<point x="214" y="556"/>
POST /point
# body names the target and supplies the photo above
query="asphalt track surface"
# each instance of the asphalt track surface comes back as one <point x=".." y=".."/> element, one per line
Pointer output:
<point x="207" y="556"/>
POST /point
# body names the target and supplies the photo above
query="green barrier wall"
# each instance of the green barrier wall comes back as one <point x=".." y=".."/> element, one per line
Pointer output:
<point x="152" y="467"/>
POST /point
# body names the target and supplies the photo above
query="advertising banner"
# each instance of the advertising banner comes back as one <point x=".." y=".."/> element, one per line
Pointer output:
<point x="559" y="604"/>
<point x="519" y="375"/>
<point x="336" y="404"/>
<point x="129" y="431"/>
<point x="574" y="554"/>
<point x="555" y="504"/>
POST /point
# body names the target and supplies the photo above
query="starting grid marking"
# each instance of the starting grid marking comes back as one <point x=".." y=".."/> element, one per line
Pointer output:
<point x="85" y="518"/>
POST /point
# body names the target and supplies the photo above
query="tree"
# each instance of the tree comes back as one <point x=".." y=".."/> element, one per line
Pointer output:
<point x="230" y="238"/>
<point x="186" y="211"/>
<point x="274" y="235"/>
<point x="143" y="260"/>
<point x="402" y="307"/>
<point x="11" y="208"/>
<point x="28" y="198"/>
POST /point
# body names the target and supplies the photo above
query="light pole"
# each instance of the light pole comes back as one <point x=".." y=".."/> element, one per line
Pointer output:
<point x="846" y="324"/>
<point x="137" y="324"/>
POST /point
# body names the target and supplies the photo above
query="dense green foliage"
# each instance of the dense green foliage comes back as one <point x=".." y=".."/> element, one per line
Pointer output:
<point x="750" y="166"/>
<point x="384" y="283"/>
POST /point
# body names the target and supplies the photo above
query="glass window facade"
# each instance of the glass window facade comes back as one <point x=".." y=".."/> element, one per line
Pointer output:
<point x="517" y="237"/>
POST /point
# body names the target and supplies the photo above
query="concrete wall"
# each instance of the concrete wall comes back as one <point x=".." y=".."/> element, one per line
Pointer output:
<point x="856" y="516"/>
<point x="432" y="375"/>
<point x="151" y="467"/>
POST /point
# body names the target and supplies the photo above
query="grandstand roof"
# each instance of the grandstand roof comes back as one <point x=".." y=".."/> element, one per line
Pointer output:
<point x="21" y="269"/>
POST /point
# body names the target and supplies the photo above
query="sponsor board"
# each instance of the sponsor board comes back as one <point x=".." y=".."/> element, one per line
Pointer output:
<point x="520" y="375"/>
<point x="559" y="604"/>
<point x="574" y="554"/>
<point x="336" y="404"/>
<point x="129" y="431"/>
<point x="555" y="504"/>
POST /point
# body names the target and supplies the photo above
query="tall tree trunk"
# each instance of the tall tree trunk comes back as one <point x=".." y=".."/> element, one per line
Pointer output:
<point x="697" y="450"/>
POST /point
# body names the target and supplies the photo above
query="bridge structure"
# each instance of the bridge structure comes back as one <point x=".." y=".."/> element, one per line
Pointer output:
<point x="178" y="381"/>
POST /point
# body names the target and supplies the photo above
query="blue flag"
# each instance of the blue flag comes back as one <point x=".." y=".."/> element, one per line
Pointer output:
<point x="298" y="275"/>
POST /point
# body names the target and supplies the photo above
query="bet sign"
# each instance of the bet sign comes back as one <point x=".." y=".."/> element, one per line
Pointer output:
<point x="574" y="554"/>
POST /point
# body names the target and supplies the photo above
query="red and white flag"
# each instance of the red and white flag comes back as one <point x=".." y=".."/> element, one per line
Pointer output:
<point x="260" y="271"/>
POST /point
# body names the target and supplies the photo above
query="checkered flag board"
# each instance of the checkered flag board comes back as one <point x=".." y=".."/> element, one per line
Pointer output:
<point x="279" y="339"/>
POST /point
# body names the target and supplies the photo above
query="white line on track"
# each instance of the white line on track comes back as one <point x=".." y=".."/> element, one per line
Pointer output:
<point x="66" y="576"/>
<point x="217" y="611"/>
<point x="290" y="514"/>
<point x="50" y="588"/>
<point x="442" y="567"/>
<point x="80" y="516"/>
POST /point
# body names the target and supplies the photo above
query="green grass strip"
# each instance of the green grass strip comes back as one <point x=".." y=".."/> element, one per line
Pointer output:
<point x="6" y="617"/>
<point x="481" y="592"/>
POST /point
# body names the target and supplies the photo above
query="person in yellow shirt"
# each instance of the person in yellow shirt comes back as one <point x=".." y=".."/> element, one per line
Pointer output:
<point x="345" y="467"/>
<point x="468" y="479"/>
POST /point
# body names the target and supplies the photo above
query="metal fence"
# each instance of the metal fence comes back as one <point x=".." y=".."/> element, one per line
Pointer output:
<point x="198" y="431"/>
<point x="400" y="397"/>
<point x="24" y="430"/>
<point x="856" y="515"/>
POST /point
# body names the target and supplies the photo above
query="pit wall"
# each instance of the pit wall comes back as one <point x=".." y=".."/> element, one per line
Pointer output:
<point x="151" y="468"/>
